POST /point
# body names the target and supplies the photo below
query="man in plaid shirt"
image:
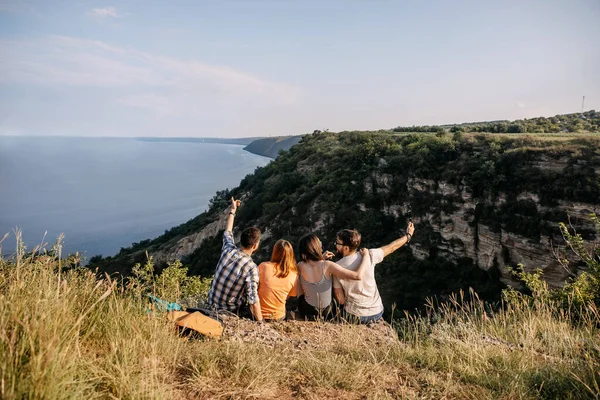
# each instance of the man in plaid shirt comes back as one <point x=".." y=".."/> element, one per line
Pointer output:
<point x="236" y="275"/>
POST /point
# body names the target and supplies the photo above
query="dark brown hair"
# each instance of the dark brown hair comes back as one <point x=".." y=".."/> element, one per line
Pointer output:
<point x="350" y="238"/>
<point x="310" y="248"/>
<point x="283" y="257"/>
<point x="250" y="237"/>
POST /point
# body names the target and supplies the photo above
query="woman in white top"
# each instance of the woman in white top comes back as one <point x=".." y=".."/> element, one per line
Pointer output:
<point x="315" y="276"/>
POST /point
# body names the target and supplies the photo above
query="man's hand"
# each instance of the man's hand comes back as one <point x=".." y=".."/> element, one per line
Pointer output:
<point x="396" y="244"/>
<point x="235" y="204"/>
<point x="410" y="228"/>
<point x="328" y="255"/>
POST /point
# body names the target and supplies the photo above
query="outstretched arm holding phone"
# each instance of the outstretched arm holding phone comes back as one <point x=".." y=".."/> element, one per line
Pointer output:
<point x="396" y="244"/>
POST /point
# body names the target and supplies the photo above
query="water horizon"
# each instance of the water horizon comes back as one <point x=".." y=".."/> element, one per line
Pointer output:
<point x="105" y="193"/>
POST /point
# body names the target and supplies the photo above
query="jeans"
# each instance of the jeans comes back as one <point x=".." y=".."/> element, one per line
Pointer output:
<point x="363" y="320"/>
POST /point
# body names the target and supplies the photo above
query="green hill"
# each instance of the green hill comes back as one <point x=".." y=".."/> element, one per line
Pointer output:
<point x="588" y="121"/>
<point x="481" y="203"/>
<point x="270" y="147"/>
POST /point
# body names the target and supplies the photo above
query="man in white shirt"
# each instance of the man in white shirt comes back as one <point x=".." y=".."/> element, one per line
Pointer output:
<point x="361" y="299"/>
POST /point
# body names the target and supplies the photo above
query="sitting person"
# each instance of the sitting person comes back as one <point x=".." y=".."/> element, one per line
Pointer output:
<point x="361" y="299"/>
<point x="278" y="279"/>
<point x="315" y="277"/>
<point x="236" y="276"/>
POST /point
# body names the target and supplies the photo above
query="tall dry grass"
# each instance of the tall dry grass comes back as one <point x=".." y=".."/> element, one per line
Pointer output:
<point x="72" y="334"/>
<point x="527" y="349"/>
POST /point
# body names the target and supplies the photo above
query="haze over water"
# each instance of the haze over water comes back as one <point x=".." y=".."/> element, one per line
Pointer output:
<point x="106" y="193"/>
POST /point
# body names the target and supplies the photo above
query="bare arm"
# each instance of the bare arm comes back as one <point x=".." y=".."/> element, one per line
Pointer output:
<point x="339" y="295"/>
<point x="344" y="273"/>
<point x="234" y="205"/>
<point x="295" y="289"/>
<point x="396" y="244"/>
<point x="252" y="278"/>
<point x="299" y="291"/>
<point x="256" y="311"/>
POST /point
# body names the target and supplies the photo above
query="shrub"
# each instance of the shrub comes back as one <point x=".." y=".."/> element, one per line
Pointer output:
<point x="582" y="290"/>
<point x="172" y="284"/>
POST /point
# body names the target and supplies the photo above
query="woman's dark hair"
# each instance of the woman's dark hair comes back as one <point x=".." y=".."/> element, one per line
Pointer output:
<point x="310" y="249"/>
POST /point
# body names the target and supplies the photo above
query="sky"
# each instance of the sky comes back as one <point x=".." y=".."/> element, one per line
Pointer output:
<point x="283" y="67"/>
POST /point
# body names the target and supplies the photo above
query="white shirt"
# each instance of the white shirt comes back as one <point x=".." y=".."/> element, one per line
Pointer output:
<point x="362" y="297"/>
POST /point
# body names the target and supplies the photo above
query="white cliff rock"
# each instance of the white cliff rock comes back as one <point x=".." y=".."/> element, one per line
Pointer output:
<point x="461" y="237"/>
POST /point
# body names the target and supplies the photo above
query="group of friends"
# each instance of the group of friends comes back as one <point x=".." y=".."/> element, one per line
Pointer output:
<point x="261" y="292"/>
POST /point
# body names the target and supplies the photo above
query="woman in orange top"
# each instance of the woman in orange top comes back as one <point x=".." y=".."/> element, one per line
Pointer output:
<point x="277" y="282"/>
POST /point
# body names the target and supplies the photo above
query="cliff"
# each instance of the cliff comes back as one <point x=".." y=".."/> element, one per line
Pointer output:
<point x="270" y="147"/>
<point x="481" y="204"/>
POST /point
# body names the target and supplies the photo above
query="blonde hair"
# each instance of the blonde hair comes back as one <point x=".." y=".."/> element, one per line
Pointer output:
<point x="283" y="257"/>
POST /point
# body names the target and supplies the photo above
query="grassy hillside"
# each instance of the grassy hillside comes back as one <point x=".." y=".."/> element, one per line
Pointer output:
<point x="69" y="334"/>
<point x="588" y="121"/>
<point x="73" y="333"/>
<point x="367" y="180"/>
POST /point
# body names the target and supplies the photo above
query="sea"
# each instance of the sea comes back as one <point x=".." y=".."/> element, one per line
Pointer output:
<point x="106" y="193"/>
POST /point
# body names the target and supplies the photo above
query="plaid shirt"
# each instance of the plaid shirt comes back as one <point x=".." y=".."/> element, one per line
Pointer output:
<point x="236" y="278"/>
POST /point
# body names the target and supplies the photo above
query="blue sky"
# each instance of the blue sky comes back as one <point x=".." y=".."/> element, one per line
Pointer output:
<point x="264" y="68"/>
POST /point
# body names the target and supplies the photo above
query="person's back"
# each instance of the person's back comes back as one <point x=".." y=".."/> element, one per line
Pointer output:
<point x="316" y="277"/>
<point x="234" y="274"/>
<point x="362" y="297"/>
<point x="274" y="291"/>
<point x="315" y="285"/>
<point x="277" y="280"/>
<point x="235" y="285"/>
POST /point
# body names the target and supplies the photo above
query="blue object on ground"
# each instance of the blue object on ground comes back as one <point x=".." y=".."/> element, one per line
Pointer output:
<point x="163" y="305"/>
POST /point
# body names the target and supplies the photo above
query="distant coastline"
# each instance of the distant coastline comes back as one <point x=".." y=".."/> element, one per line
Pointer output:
<point x="262" y="146"/>
<point x="271" y="146"/>
<point x="240" y="141"/>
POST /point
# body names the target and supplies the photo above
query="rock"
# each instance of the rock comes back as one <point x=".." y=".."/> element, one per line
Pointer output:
<point x="461" y="237"/>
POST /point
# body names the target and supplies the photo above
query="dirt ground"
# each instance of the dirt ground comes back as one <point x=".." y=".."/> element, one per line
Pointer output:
<point x="303" y="334"/>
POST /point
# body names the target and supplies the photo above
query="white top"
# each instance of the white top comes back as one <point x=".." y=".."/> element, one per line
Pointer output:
<point x="317" y="294"/>
<point x="362" y="297"/>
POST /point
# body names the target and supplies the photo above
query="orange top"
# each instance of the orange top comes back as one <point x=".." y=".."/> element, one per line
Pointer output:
<point x="274" y="291"/>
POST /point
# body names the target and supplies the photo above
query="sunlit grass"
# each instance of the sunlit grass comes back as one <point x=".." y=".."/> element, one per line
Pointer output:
<point x="75" y="335"/>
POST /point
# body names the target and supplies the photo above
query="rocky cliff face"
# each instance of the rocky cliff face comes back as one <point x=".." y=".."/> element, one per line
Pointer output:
<point x="188" y="244"/>
<point x="460" y="235"/>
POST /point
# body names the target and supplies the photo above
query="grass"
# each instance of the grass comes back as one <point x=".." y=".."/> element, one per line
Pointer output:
<point x="74" y="335"/>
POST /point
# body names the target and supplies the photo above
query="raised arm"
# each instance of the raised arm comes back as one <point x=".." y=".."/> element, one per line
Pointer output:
<point x="234" y="205"/>
<point x="343" y="273"/>
<point x="396" y="244"/>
